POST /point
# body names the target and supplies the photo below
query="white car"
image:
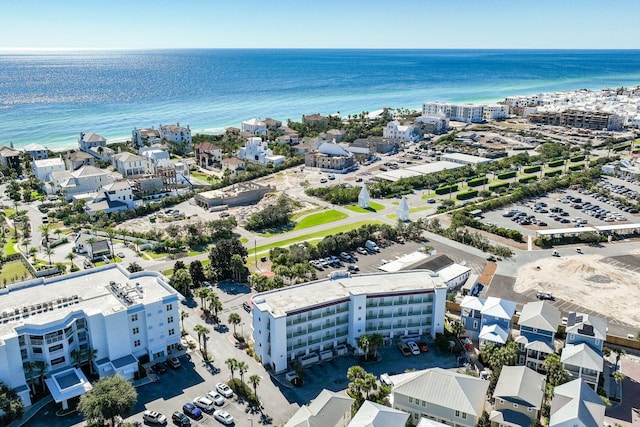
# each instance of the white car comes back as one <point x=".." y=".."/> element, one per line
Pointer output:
<point x="153" y="417"/>
<point x="223" y="416"/>
<point x="215" y="396"/>
<point x="413" y="347"/>
<point x="224" y="390"/>
<point x="204" y="403"/>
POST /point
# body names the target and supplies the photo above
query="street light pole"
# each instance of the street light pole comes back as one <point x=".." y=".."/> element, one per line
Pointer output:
<point x="251" y="419"/>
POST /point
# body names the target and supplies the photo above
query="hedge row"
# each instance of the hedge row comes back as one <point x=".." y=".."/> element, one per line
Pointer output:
<point x="555" y="163"/>
<point x="526" y="179"/>
<point x="447" y="190"/>
<point x="621" y="147"/>
<point x="468" y="195"/>
<point x="507" y="175"/>
<point x="576" y="167"/>
<point x="496" y="186"/>
<point x="577" y="158"/>
<point x="477" y="182"/>
<point x="553" y="173"/>
<point x="532" y="169"/>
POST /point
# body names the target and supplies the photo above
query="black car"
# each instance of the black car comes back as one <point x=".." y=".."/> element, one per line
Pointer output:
<point x="545" y="296"/>
<point x="180" y="419"/>
<point x="246" y="307"/>
<point x="158" y="368"/>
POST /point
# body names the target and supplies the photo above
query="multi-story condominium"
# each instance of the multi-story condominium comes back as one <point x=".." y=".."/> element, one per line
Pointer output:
<point x="596" y="120"/>
<point x="518" y="397"/>
<point x="129" y="164"/>
<point x="330" y="157"/>
<point x="254" y="127"/>
<point x="394" y="130"/>
<point x="89" y="140"/>
<point x="538" y="322"/>
<point x="121" y="316"/>
<point x="522" y="101"/>
<point x="306" y="321"/>
<point x="442" y="395"/>
<point x="43" y="169"/>
<point x="494" y="112"/>
<point x="36" y="151"/>
<point x="148" y="136"/>
<point x="487" y="320"/>
<point x="469" y="113"/>
<point x="582" y="354"/>
<point x="257" y="151"/>
<point x="575" y="404"/>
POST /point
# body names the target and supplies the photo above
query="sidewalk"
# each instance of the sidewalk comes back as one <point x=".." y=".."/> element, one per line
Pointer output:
<point x="32" y="410"/>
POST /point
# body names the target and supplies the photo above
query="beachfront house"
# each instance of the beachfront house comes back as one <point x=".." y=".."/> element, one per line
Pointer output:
<point x="582" y="353"/>
<point x="147" y="136"/>
<point x="155" y="157"/>
<point x="208" y="154"/>
<point x="87" y="179"/>
<point x="89" y="140"/>
<point x="129" y="164"/>
<point x="316" y="120"/>
<point x="9" y="157"/>
<point x="518" y="396"/>
<point x="395" y="130"/>
<point x="36" y="151"/>
<point x="254" y="126"/>
<point x="76" y="159"/>
<point x="178" y="137"/>
<point x="257" y="151"/>
<point x="439" y="394"/>
<point x="538" y="322"/>
<point x="43" y="169"/>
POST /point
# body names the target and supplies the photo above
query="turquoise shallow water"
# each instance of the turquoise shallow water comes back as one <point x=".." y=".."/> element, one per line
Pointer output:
<point x="49" y="97"/>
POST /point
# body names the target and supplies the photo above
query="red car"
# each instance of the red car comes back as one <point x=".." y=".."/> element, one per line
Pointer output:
<point x="423" y="346"/>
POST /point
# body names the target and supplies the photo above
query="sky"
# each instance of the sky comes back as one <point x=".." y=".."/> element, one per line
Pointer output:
<point x="428" y="24"/>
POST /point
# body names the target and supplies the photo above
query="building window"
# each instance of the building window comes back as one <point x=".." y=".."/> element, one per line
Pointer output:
<point x="169" y="307"/>
<point x="457" y="413"/>
<point x="136" y="330"/>
<point x="56" y="347"/>
<point x="464" y="415"/>
<point x="529" y="409"/>
<point x="37" y="350"/>
<point x="136" y="343"/>
<point x="170" y="319"/>
<point x="424" y="403"/>
<point x="134" y="317"/>
<point x="171" y="332"/>
<point x="410" y="399"/>
<point x="501" y="401"/>
<point x="57" y="361"/>
<point x="475" y="324"/>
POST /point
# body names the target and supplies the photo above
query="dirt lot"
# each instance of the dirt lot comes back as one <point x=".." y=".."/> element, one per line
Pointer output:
<point x="585" y="281"/>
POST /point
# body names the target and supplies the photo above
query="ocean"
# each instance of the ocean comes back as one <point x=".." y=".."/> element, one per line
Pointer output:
<point x="49" y="97"/>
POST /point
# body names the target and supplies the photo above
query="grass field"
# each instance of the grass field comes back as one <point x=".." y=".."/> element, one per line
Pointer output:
<point x="318" y="235"/>
<point x="320" y="218"/>
<point x="203" y="176"/>
<point x="156" y="255"/>
<point x="373" y="207"/>
<point x="12" y="272"/>
<point x="10" y="247"/>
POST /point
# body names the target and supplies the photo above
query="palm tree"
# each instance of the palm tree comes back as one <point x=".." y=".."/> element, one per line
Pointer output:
<point x="234" y="319"/>
<point x="254" y="380"/>
<point x="41" y="367"/>
<point x="76" y="357"/>
<point x="202" y="293"/>
<point x="237" y="265"/>
<point x="617" y="377"/>
<point x="370" y="384"/>
<point x="556" y="374"/>
<point x="216" y="305"/>
<point x="111" y="235"/>
<point x="364" y="345"/>
<point x="29" y="368"/>
<point x="232" y="364"/>
<point x="201" y="331"/>
<point x="90" y="354"/>
<point x="456" y="328"/>
<point x="49" y="252"/>
<point x="619" y="353"/>
<point x="242" y="369"/>
<point x="183" y="314"/>
<point x="71" y="256"/>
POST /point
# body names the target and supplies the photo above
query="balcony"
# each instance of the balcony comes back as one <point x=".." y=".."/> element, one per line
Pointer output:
<point x="314" y="341"/>
<point x="385" y="315"/>
<point x="385" y="304"/>
<point x="314" y="316"/>
<point x="311" y="329"/>
<point x="329" y="325"/>
<point x="342" y="310"/>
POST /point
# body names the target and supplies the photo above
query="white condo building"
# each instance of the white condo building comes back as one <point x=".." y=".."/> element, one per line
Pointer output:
<point x="468" y="113"/>
<point x="394" y="130"/>
<point x="323" y="316"/>
<point x="122" y="316"/>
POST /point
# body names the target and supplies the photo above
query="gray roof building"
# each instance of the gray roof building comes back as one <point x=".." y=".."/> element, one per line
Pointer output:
<point x="540" y="315"/>
<point x="518" y="396"/>
<point x="329" y="409"/>
<point x="575" y="404"/>
<point x="373" y="414"/>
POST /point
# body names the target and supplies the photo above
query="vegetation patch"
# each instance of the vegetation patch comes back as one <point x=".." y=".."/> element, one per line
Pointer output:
<point x="507" y="175"/>
<point x="553" y="173"/>
<point x="13" y="271"/>
<point x="477" y="182"/>
<point x="495" y="187"/>
<point x="555" y="163"/>
<point x="577" y="159"/>
<point x="320" y="218"/>
<point x="467" y="195"/>
<point x="10" y="247"/>
<point x="448" y="189"/>
<point x="576" y="167"/>
<point x="532" y="169"/>
<point x="526" y="179"/>
<point x="373" y="207"/>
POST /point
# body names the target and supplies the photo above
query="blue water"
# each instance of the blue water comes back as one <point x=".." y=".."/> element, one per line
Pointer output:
<point x="50" y="97"/>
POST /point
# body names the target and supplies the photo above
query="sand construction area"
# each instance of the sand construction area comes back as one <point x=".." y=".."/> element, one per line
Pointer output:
<point x="587" y="281"/>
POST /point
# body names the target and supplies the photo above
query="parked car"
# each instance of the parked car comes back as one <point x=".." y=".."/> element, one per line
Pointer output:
<point x="224" y="390"/>
<point x="204" y="403"/>
<point x="413" y="347"/>
<point x="353" y="268"/>
<point x="545" y="296"/>
<point x="180" y="419"/>
<point x="173" y="363"/>
<point x="246" y="307"/>
<point x="423" y="346"/>
<point x="404" y="349"/>
<point x="154" y="417"/>
<point x="361" y="250"/>
<point x="191" y="410"/>
<point x="120" y="254"/>
<point x="158" y="368"/>
<point x="223" y="416"/>
<point x="216" y="397"/>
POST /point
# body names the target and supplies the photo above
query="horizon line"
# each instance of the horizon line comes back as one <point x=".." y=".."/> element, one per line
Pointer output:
<point x="76" y="49"/>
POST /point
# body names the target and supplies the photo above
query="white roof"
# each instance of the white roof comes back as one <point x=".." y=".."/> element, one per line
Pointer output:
<point x="522" y="383"/>
<point x="587" y="325"/>
<point x="280" y="301"/>
<point x="254" y="122"/>
<point x="467" y="158"/>
<point x="418" y="170"/>
<point x="34" y="147"/>
<point x="332" y="149"/>
<point x="581" y="355"/>
<point x="494" y="333"/>
<point x="452" y="271"/>
<point x="444" y="388"/>
<point x="498" y="307"/>
<point x="403" y="262"/>
<point x="47" y="163"/>
<point x="373" y="414"/>
<point x="473" y="303"/>
<point x="326" y="410"/>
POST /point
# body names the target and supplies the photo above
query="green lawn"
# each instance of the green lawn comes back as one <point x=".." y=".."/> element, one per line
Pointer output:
<point x="244" y="240"/>
<point x="203" y="176"/>
<point x="320" y="218"/>
<point x="12" y="272"/>
<point x="304" y="213"/>
<point x="156" y="255"/>
<point x="311" y="236"/>
<point x="10" y="247"/>
<point x="373" y="207"/>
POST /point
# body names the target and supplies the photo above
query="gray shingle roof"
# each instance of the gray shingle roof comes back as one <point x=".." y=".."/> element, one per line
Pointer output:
<point x="521" y="383"/>
<point x="540" y="315"/>
<point x="575" y="403"/>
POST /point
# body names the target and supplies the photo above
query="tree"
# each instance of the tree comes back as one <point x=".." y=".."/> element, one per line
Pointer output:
<point x="202" y="331"/>
<point x="254" y="380"/>
<point x="220" y="257"/>
<point x="242" y="369"/>
<point x="617" y="377"/>
<point x="183" y="314"/>
<point x="49" y="252"/>
<point x="215" y="304"/>
<point x="363" y="344"/>
<point x="178" y="265"/>
<point x="197" y="273"/>
<point x="238" y="267"/>
<point x="619" y="351"/>
<point x="181" y="281"/>
<point x="110" y="397"/>
<point x="375" y="342"/>
<point x="203" y="294"/>
<point x="29" y="368"/>
<point x="11" y="405"/>
<point x="71" y="256"/>
<point x="556" y="374"/>
<point x="234" y="319"/>
<point x="133" y="267"/>
<point x="41" y="368"/>
<point x="456" y="328"/>
<point x="232" y="364"/>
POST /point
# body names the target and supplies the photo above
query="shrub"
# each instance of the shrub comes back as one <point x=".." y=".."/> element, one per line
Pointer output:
<point x="555" y="163"/>
<point x="468" y="195"/>
<point x="553" y="173"/>
<point x="477" y="182"/>
<point x="495" y="187"/>
<point x="526" y="179"/>
<point x="242" y="390"/>
<point x="621" y="147"/>
<point x="576" y="167"/>
<point x="447" y="189"/>
<point x="577" y="159"/>
<point x="507" y="175"/>
<point x="532" y="169"/>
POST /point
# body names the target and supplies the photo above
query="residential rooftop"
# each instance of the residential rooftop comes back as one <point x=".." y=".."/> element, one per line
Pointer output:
<point x="280" y="301"/>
